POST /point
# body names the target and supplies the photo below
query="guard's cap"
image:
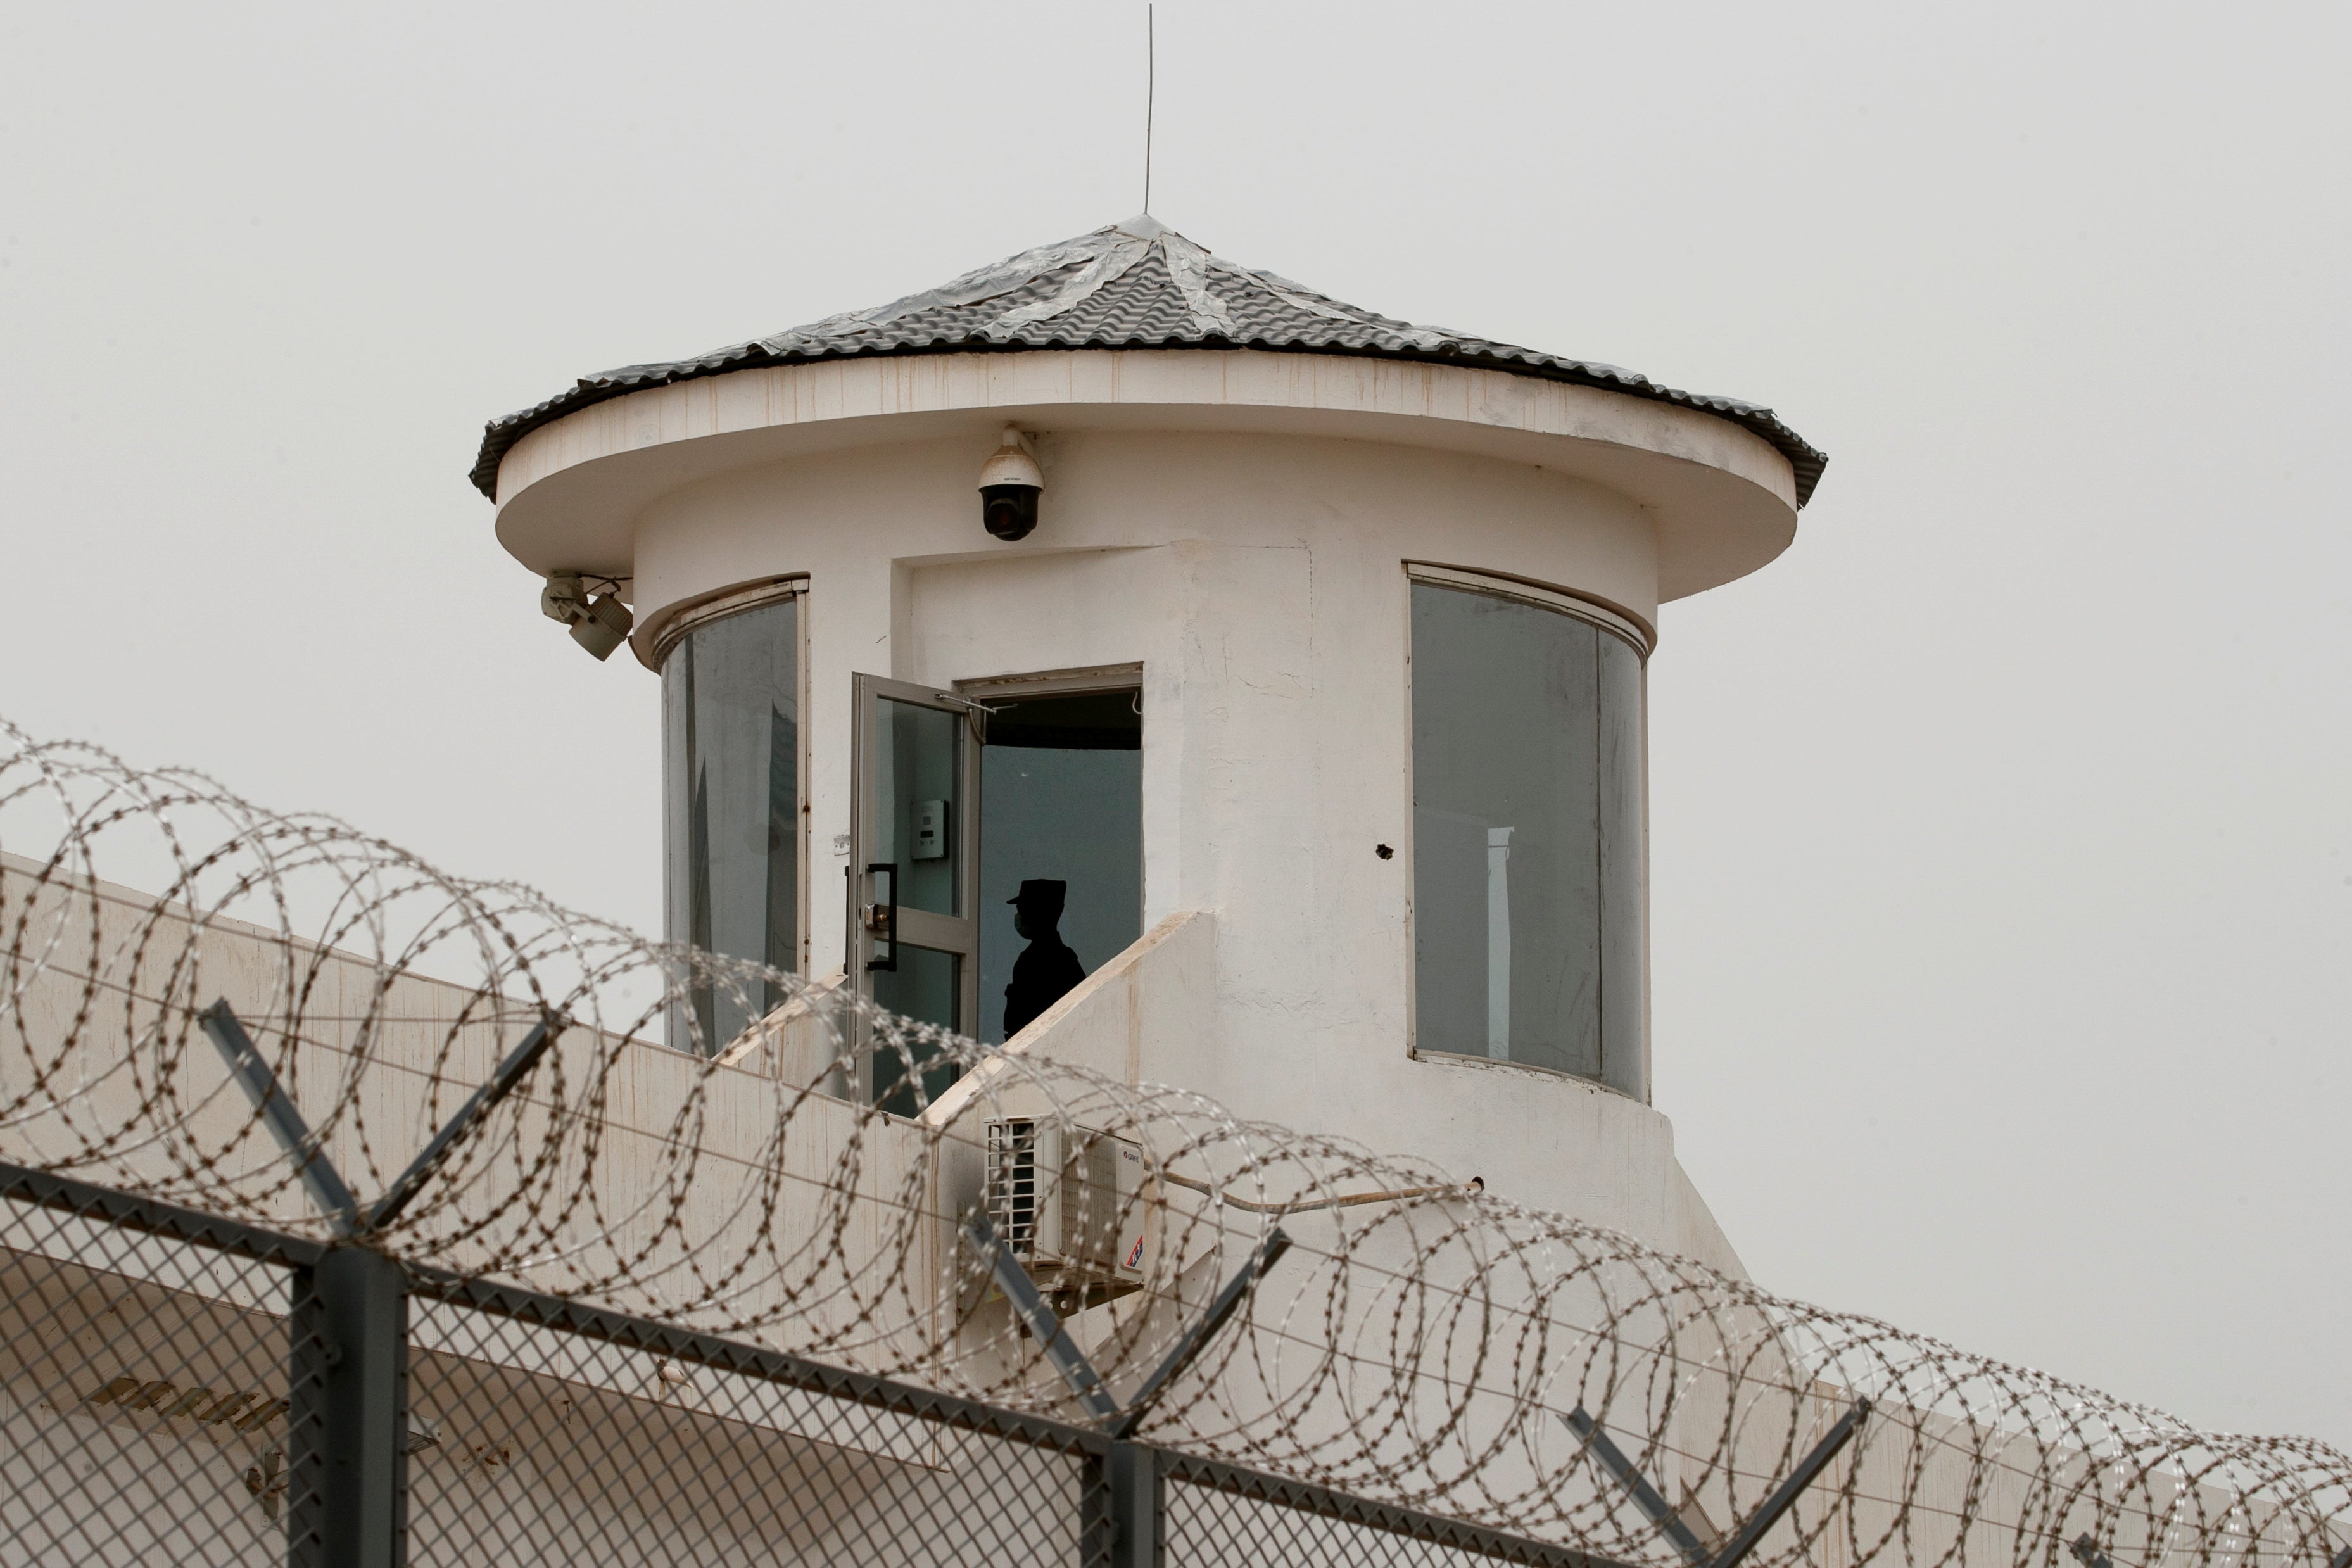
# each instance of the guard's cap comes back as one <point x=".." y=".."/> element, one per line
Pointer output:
<point x="1042" y="895"/>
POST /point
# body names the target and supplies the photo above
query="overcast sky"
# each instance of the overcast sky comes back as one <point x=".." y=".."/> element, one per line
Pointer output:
<point x="2002" y="869"/>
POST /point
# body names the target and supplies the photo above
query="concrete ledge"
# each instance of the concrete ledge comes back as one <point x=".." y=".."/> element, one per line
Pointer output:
<point x="1127" y="1020"/>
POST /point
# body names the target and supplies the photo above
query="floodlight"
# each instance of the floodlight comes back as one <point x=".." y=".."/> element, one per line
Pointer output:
<point x="599" y="625"/>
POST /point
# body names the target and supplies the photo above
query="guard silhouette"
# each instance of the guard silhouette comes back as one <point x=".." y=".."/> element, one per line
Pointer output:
<point x="1046" y="969"/>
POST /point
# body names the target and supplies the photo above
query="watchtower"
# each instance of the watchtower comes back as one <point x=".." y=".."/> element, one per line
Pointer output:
<point x="1304" y="647"/>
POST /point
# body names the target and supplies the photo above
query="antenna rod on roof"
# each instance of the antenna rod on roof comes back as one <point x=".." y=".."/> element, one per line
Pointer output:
<point x="1150" y="82"/>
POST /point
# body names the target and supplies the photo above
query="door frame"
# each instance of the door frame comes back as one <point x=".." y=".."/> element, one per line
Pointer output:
<point x="1087" y="681"/>
<point x="868" y="904"/>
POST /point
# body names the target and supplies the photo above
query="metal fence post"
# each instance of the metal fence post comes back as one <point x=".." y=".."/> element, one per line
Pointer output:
<point x="1122" y="1522"/>
<point x="347" y="1426"/>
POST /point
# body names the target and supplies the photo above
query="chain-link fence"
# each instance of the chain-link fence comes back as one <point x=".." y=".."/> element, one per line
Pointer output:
<point x="177" y="1387"/>
<point x="162" y="1375"/>
<point x="355" y="1213"/>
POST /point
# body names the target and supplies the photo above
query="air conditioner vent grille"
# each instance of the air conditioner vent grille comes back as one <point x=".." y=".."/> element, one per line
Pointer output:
<point x="1067" y="1203"/>
<point x="1012" y="1184"/>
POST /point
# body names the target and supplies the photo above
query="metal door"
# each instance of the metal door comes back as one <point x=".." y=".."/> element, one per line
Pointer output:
<point x="915" y="875"/>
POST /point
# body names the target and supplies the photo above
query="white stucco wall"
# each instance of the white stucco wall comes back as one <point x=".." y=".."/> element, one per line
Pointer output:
<point x="1258" y="576"/>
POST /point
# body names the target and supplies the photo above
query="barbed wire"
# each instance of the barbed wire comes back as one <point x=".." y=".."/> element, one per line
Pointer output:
<point x="805" y="1184"/>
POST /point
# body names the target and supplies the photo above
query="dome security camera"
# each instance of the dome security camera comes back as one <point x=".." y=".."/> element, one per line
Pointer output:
<point x="1010" y="484"/>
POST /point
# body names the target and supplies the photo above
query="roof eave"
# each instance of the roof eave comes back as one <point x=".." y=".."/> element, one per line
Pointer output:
<point x="1806" y="461"/>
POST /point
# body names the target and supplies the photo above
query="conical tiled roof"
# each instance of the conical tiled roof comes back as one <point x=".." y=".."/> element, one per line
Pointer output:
<point x="1132" y="285"/>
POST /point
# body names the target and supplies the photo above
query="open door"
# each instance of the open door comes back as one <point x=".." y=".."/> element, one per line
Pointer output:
<point x="915" y="872"/>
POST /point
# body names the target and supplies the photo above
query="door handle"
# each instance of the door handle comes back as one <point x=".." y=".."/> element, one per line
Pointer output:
<point x="882" y="917"/>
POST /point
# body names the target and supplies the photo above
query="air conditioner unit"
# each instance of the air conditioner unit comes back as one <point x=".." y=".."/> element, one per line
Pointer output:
<point x="1068" y="1203"/>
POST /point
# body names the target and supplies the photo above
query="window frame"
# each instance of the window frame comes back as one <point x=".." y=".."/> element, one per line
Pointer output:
<point x="753" y="594"/>
<point x="1612" y="618"/>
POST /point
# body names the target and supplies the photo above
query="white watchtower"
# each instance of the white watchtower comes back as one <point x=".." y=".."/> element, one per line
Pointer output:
<point x="1317" y="685"/>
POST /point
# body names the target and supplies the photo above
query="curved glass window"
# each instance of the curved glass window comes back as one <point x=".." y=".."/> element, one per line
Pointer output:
<point x="731" y="800"/>
<point x="1526" y="819"/>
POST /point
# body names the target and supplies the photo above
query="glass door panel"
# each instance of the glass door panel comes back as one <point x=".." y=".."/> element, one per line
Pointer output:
<point x="926" y="986"/>
<point x="917" y="778"/>
<point x="914" y="834"/>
